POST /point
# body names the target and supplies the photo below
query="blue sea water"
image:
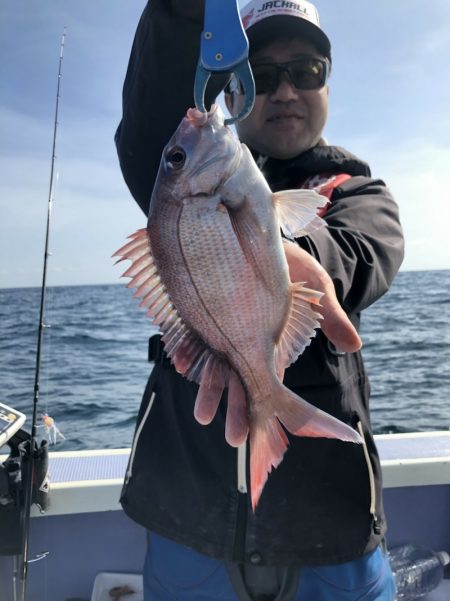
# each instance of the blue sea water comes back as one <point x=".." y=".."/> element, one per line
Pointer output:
<point x="94" y="358"/>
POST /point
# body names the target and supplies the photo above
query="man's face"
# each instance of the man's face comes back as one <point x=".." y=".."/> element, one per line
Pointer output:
<point x="287" y="121"/>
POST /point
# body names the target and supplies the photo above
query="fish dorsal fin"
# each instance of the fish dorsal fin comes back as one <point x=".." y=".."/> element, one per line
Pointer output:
<point x="300" y="327"/>
<point x="186" y="350"/>
<point x="297" y="211"/>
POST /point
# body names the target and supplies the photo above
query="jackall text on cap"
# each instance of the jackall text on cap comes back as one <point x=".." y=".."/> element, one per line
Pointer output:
<point x="266" y="19"/>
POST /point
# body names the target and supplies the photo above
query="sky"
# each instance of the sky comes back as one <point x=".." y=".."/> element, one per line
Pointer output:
<point x="389" y="104"/>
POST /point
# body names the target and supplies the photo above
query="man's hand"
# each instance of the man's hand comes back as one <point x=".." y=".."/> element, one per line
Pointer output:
<point x="335" y="324"/>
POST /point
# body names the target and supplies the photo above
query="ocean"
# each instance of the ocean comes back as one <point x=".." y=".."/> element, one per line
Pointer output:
<point x="94" y="358"/>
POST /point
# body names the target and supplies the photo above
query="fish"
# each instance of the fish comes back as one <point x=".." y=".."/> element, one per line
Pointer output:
<point x="211" y="271"/>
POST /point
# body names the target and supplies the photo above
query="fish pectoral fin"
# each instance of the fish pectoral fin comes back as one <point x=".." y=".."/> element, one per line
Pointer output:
<point x="300" y="327"/>
<point x="248" y="234"/>
<point x="297" y="211"/>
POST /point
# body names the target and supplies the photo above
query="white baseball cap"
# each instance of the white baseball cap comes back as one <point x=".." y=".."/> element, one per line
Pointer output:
<point x="265" y="19"/>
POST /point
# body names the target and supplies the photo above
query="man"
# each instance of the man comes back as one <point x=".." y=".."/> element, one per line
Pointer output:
<point x="317" y="532"/>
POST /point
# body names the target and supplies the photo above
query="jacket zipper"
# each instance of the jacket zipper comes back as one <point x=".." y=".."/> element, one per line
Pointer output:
<point x="373" y="499"/>
<point x="240" y="527"/>
<point x="136" y="438"/>
<point x="242" y="468"/>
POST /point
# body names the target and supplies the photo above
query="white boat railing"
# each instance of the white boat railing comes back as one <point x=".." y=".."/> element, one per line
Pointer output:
<point x="91" y="481"/>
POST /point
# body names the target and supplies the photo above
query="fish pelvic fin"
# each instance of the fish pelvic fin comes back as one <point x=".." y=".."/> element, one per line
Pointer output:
<point x="268" y="440"/>
<point x="297" y="211"/>
<point x="300" y="327"/>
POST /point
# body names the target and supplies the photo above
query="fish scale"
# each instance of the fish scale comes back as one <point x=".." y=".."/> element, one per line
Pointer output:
<point x="230" y="291"/>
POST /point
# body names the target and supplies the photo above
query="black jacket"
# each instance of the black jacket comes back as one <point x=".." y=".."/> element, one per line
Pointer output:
<point x="323" y="503"/>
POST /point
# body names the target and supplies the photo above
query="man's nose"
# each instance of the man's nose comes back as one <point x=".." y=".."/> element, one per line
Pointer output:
<point x="285" y="91"/>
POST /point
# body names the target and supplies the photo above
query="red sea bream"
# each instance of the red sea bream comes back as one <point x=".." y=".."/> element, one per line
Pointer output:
<point x="211" y="271"/>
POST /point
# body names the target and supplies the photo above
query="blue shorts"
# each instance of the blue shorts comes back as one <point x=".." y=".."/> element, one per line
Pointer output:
<point x="173" y="572"/>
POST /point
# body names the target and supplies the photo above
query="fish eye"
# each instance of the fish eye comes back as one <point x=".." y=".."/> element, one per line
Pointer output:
<point x="175" y="157"/>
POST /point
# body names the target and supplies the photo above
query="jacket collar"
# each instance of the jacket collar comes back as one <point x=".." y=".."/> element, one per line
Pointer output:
<point x="280" y="172"/>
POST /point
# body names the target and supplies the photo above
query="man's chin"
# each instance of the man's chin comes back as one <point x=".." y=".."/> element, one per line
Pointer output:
<point x="286" y="153"/>
<point x="289" y="149"/>
<point x="272" y="147"/>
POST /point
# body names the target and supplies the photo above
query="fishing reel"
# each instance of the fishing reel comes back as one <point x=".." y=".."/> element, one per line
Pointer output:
<point x="11" y="421"/>
<point x="14" y="474"/>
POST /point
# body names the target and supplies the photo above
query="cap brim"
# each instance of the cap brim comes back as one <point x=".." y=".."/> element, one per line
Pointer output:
<point x="266" y="30"/>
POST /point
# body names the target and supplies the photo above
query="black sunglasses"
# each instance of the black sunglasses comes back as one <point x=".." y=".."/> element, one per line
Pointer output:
<point x="304" y="73"/>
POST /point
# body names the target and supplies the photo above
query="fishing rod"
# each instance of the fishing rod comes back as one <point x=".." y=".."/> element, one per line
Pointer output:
<point x="28" y="496"/>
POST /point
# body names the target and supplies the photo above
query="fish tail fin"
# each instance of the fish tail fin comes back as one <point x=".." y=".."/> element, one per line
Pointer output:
<point x="303" y="419"/>
<point x="268" y="441"/>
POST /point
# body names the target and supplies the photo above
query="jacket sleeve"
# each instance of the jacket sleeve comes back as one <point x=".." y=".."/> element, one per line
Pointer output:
<point x="158" y="89"/>
<point x="362" y="248"/>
